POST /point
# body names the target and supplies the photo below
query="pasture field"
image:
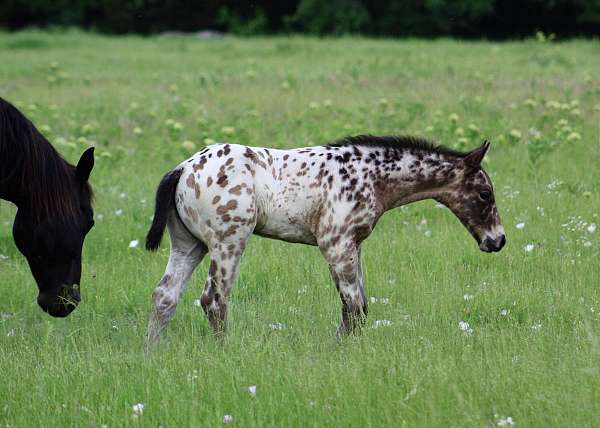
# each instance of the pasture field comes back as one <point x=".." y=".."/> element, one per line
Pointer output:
<point x="455" y="337"/>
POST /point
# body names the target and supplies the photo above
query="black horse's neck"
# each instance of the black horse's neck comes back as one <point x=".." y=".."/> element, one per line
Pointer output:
<point x="32" y="174"/>
<point x="11" y="175"/>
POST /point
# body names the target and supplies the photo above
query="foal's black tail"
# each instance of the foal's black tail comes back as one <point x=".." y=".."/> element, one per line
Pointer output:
<point x="165" y="201"/>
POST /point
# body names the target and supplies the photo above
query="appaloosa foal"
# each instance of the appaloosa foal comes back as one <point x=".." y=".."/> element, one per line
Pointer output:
<point x="330" y="196"/>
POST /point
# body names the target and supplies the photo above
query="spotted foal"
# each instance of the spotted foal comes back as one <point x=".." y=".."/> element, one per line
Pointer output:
<point x="330" y="196"/>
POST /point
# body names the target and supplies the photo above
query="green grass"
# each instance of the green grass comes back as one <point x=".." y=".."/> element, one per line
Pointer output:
<point x="539" y="364"/>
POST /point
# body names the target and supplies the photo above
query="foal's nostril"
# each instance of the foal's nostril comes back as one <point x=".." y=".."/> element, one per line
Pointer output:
<point x="502" y="241"/>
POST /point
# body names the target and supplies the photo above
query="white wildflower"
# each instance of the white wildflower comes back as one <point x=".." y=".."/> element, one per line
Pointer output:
<point x="591" y="228"/>
<point x="466" y="327"/>
<point x="278" y="326"/>
<point x="119" y="212"/>
<point x="503" y="422"/>
<point x="382" y="323"/>
<point x="138" y="409"/>
<point x="468" y="297"/>
<point x="197" y="303"/>
<point x="134" y="243"/>
<point x="520" y="226"/>
<point x="504" y="312"/>
<point x="529" y="247"/>
<point x="227" y="419"/>
<point x="252" y="390"/>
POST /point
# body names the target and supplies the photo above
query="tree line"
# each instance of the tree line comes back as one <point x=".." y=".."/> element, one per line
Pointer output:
<point x="495" y="19"/>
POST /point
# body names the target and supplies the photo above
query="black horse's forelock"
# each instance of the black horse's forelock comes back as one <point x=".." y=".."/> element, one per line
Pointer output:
<point x="398" y="142"/>
<point x="44" y="179"/>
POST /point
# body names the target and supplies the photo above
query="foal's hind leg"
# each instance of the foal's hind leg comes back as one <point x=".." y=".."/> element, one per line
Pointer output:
<point x="345" y="267"/>
<point x="186" y="253"/>
<point x="223" y="271"/>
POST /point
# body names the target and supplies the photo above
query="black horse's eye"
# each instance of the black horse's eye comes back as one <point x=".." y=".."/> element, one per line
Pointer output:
<point x="485" y="195"/>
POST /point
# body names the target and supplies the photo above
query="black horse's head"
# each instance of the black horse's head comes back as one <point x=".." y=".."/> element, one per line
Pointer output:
<point x="53" y="242"/>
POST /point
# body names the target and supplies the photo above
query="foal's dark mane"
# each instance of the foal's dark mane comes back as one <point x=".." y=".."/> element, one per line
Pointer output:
<point x="39" y="173"/>
<point x="398" y="142"/>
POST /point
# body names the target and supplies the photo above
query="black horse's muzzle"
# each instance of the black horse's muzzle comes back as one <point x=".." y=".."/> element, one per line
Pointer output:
<point x="60" y="302"/>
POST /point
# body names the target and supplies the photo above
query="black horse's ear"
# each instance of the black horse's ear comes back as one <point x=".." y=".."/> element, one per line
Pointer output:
<point x="85" y="165"/>
<point x="474" y="158"/>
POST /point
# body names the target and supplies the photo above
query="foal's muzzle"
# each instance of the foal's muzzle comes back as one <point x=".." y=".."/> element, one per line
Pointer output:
<point x="490" y="245"/>
<point x="61" y="302"/>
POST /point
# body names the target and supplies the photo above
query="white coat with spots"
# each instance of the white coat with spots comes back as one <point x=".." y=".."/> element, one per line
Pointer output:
<point x="329" y="196"/>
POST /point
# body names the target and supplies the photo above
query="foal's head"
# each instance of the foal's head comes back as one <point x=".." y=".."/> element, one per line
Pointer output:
<point x="470" y="196"/>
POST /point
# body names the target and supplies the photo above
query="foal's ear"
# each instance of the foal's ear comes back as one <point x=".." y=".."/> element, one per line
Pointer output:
<point x="474" y="158"/>
<point x="85" y="165"/>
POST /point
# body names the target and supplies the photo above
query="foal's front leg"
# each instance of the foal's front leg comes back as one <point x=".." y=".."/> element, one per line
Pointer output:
<point x="346" y="271"/>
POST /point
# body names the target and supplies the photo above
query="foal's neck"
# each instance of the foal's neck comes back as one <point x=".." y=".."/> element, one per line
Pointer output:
<point x="402" y="176"/>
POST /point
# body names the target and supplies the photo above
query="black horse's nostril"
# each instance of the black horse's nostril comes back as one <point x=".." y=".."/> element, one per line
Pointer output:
<point x="60" y="303"/>
<point x="73" y="293"/>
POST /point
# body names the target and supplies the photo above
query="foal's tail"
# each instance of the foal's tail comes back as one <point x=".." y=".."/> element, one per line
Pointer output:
<point x="165" y="201"/>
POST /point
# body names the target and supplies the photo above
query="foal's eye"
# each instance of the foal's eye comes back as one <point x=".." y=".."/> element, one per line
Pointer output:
<point x="485" y="195"/>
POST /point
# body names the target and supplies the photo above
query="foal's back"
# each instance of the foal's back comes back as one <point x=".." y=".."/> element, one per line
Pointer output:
<point x="278" y="192"/>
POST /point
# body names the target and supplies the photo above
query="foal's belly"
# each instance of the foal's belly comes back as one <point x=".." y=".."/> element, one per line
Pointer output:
<point x="285" y="232"/>
<point x="284" y="218"/>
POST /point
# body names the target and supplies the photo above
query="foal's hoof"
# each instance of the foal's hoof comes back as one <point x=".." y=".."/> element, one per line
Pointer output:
<point x="149" y="346"/>
<point x="341" y="332"/>
<point x="346" y="330"/>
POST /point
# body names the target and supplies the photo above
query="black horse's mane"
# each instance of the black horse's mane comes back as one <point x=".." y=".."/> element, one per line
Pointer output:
<point x="397" y="142"/>
<point x="43" y="178"/>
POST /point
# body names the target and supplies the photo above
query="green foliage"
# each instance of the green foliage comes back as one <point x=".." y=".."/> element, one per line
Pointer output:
<point x="335" y="17"/>
<point x="462" y="18"/>
<point x="243" y="27"/>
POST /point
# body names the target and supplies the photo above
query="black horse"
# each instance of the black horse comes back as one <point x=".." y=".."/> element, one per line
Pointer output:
<point x="54" y="212"/>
